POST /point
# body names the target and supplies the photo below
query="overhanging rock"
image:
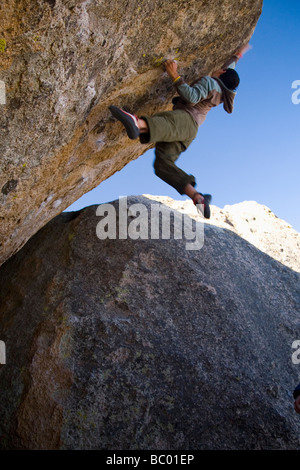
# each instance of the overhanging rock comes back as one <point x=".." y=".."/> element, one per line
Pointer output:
<point x="64" y="62"/>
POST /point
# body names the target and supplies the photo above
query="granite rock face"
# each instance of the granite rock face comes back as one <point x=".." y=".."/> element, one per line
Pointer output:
<point x="63" y="62"/>
<point x="143" y="344"/>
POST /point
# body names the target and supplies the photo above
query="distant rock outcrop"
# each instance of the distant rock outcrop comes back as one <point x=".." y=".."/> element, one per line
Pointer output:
<point x="255" y="223"/>
<point x="64" y="62"/>
<point x="143" y="344"/>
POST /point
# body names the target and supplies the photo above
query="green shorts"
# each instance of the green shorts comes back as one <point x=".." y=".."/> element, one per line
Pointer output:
<point x="171" y="126"/>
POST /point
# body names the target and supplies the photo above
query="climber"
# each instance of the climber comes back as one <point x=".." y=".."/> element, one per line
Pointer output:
<point x="296" y="396"/>
<point x="173" y="131"/>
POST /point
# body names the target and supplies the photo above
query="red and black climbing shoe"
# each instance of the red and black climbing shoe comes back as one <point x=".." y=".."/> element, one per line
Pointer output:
<point x="128" y="120"/>
<point x="202" y="202"/>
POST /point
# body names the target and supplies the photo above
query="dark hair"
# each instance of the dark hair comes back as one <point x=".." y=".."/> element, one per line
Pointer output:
<point x="231" y="79"/>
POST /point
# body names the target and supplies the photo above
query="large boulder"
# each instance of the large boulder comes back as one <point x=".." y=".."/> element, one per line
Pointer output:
<point x="63" y="62"/>
<point x="145" y="344"/>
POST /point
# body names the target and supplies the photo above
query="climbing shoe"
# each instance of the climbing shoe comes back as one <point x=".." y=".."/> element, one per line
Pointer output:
<point x="202" y="202"/>
<point x="128" y="120"/>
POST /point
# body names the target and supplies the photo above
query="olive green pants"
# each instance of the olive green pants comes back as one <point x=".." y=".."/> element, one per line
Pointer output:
<point x="172" y="132"/>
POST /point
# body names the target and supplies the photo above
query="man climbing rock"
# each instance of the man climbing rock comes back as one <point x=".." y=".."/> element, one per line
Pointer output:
<point x="173" y="131"/>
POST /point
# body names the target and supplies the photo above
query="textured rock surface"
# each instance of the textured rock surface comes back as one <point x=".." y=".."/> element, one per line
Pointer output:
<point x="123" y="344"/>
<point x="63" y="64"/>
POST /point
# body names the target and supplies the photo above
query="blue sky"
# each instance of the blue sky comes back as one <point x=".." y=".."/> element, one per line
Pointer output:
<point x="252" y="154"/>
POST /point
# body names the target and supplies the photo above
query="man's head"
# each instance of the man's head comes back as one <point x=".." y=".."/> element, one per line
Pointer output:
<point x="229" y="77"/>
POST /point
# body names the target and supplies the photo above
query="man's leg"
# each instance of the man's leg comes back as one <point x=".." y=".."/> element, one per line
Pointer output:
<point x="173" y="132"/>
<point x="166" y="153"/>
<point x="167" y="126"/>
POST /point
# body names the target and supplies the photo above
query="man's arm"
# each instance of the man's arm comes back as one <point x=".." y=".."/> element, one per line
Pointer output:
<point x="191" y="94"/>
<point x="200" y="90"/>
<point x="231" y="63"/>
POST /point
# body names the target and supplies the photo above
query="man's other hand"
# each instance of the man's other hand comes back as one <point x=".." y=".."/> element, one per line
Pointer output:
<point x="242" y="50"/>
